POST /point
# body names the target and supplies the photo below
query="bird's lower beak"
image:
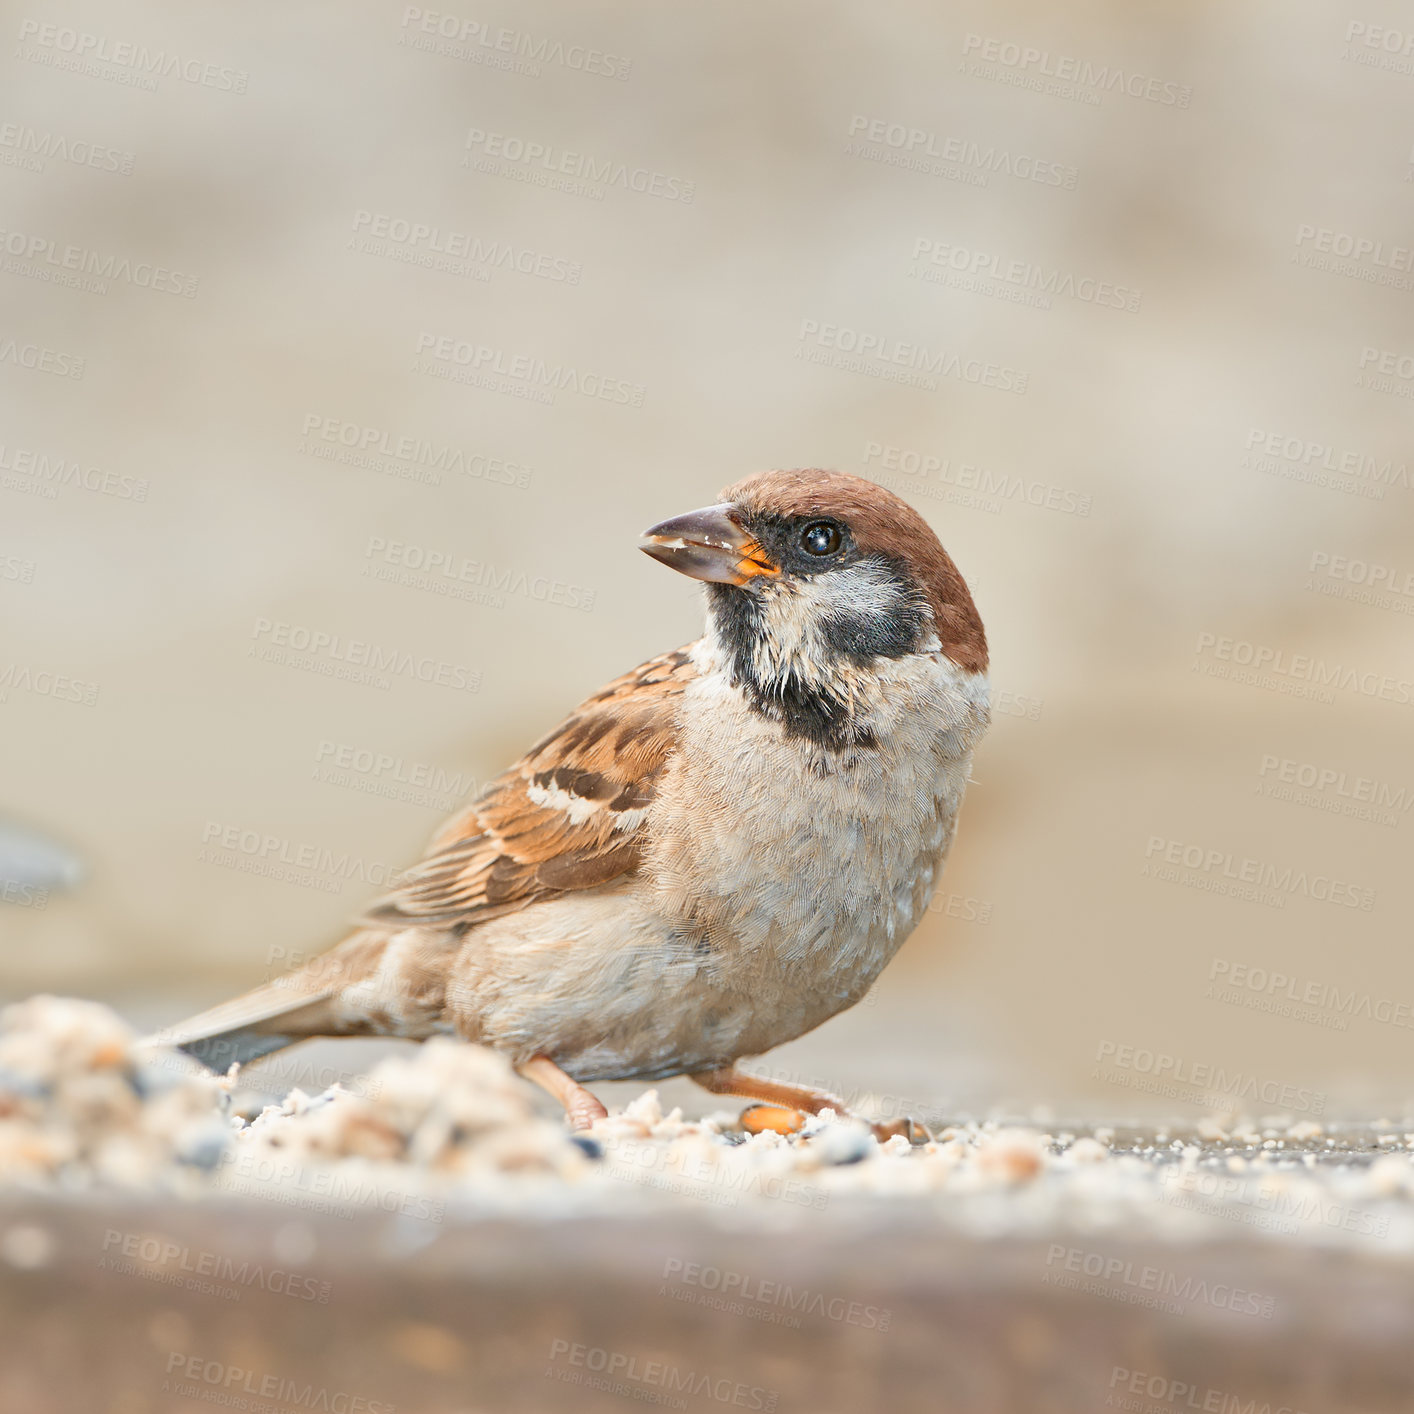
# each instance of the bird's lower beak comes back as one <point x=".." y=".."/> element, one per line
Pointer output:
<point x="708" y="544"/>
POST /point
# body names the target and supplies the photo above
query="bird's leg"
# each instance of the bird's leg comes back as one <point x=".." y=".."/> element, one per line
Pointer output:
<point x="730" y="1081"/>
<point x="785" y="1106"/>
<point x="581" y="1108"/>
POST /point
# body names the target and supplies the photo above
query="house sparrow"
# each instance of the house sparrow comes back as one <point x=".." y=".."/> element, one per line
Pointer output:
<point x="710" y="857"/>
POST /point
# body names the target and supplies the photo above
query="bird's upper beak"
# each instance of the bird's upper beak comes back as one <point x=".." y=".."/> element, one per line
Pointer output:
<point x="708" y="544"/>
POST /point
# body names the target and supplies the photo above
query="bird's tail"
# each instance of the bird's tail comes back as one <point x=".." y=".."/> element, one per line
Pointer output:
<point x="304" y="1003"/>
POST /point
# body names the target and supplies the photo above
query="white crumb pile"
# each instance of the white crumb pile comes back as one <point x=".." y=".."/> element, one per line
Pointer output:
<point x="84" y="1106"/>
<point x="452" y="1114"/>
<point x="78" y="1105"/>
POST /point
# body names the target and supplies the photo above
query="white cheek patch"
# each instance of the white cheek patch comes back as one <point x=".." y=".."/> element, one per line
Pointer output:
<point x="863" y="591"/>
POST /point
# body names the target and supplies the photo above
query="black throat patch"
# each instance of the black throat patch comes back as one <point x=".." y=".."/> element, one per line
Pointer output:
<point x="805" y="706"/>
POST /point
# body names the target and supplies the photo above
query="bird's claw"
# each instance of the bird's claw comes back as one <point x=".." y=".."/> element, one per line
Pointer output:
<point x="583" y="1114"/>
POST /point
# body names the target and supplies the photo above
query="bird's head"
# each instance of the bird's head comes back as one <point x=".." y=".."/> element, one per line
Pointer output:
<point x="814" y="576"/>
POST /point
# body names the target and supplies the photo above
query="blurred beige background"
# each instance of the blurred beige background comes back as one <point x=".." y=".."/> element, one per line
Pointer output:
<point x="1119" y="297"/>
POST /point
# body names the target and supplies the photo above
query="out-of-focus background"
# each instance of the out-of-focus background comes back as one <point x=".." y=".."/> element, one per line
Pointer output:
<point x="345" y="350"/>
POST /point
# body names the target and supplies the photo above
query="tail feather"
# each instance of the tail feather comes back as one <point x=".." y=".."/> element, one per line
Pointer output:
<point x="321" y="998"/>
<point x="292" y="1008"/>
<point x="250" y="1026"/>
<point x="219" y="1053"/>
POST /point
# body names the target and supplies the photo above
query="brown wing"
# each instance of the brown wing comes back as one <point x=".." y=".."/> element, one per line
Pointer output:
<point x="568" y="815"/>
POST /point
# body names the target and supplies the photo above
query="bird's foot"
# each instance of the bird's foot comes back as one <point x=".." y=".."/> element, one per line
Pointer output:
<point x="582" y="1109"/>
<point x="584" y="1112"/>
<point x="786" y="1107"/>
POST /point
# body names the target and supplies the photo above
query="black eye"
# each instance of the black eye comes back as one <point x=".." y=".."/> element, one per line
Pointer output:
<point x="821" y="537"/>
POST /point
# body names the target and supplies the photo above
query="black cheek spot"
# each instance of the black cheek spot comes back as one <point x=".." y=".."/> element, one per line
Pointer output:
<point x="861" y="638"/>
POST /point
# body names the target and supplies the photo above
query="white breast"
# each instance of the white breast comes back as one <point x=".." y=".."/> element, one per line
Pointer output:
<point x="805" y="869"/>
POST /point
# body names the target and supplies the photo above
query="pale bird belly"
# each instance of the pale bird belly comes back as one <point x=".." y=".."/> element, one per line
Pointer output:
<point x="629" y="981"/>
<point x="813" y="905"/>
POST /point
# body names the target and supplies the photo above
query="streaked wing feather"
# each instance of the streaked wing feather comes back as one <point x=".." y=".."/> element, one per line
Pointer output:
<point x="568" y="815"/>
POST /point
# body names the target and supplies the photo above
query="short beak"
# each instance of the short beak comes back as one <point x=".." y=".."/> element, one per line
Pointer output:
<point x="708" y="544"/>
